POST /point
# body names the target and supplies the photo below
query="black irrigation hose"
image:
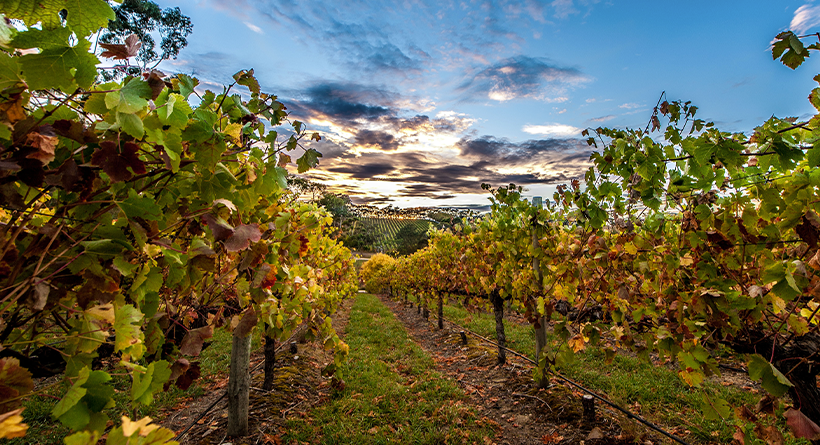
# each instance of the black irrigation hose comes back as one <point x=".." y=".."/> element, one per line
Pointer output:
<point x="588" y="391"/>
<point x="215" y="402"/>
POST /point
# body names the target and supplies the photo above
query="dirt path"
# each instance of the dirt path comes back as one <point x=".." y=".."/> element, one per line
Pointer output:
<point x="507" y="394"/>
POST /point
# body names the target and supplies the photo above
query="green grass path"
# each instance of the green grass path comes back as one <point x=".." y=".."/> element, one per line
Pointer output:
<point x="393" y="393"/>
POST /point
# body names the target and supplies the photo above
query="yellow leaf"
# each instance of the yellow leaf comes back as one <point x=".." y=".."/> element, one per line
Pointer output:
<point x="103" y="312"/>
<point x="234" y="132"/>
<point x="686" y="260"/>
<point x="130" y="427"/>
<point x="577" y="343"/>
<point x="11" y="425"/>
<point x="630" y="248"/>
<point x="779" y="304"/>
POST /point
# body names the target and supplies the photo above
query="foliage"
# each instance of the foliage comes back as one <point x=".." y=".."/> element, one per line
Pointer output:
<point x="681" y="239"/>
<point x="138" y="216"/>
<point x="371" y="269"/>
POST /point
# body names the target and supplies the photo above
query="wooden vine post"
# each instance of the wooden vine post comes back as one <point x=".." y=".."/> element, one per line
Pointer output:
<point x="239" y="380"/>
<point x="541" y="326"/>
<point x="270" y="362"/>
<point x="501" y="337"/>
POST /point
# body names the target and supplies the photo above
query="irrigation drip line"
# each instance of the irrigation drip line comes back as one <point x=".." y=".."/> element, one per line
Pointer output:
<point x="215" y="402"/>
<point x="577" y="385"/>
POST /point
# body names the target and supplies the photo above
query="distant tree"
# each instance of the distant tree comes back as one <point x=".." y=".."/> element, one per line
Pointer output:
<point x="411" y="238"/>
<point x="336" y="204"/>
<point x="306" y="188"/>
<point x="145" y="18"/>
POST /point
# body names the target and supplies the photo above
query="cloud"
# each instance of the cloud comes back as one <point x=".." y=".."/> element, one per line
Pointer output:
<point x="805" y="18"/>
<point x="254" y="28"/>
<point x="629" y="106"/>
<point x="344" y="102"/>
<point x="523" y="77"/>
<point x="380" y="139"/>
<point x="552" y="130"/>
<point x="603" y="118"/>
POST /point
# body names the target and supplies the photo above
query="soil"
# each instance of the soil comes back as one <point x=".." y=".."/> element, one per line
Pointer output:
<point x="504" y="395"/>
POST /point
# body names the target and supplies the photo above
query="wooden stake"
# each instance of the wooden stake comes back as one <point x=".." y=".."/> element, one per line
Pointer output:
<point x="239" y="383"/>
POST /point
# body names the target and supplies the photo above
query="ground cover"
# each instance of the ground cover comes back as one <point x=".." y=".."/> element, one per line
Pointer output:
<point x="391" y="394"/>
<point x="649" y="388"/>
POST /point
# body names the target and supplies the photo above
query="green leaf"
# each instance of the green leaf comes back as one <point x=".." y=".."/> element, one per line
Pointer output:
<point x="82" y="438"/>
<point x="66" y="410"/>
<point x="53" y="67"/>
<point x="308" y="160"/>
<point x="147" y="383"/>
<point x="173" y="110"/>
<point x="770" y="377"/>
<point x="186" y="85"/>
<point x="36" y="38"/>
<point x="245" y="77"/>
<point x="82" y="16"/>
<point x="127" y="324"/>
<point x="105" y="247"/>
<point x="131" y="98"/>
<point x="100" y="393"/>
<point x="208" y="155"/>
<point x="9" y="71"/>
<point x="131" y="124"/>
<point x="140" y="206"/>
<point x="715" y="409"/>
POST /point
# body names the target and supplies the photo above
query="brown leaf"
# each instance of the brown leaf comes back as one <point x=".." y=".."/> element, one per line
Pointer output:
<point x="154" y="79"/>
<point x="189" y="376"/>
<point x="801" y="426"/>
<point x="118" y="51"/>
<point x="766" y="405"/>
<point x="246" y="324"/>
<point x="15" y="381"/>
<point x="37" y="298"/>
<point x="664" y="108"/>
<point x="770" y="434"/>
<point x="242" y="237"/>
<point x="719" y="239"/>
<point x="45" y="142"/>
<point x="192" y="342"/>
<point x="808" y="232"/>
<point x="743" y="412"/>
<point x="738" y="436"/>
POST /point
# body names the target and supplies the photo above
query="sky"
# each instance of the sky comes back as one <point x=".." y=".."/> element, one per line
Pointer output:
<point x="418" y="102"/>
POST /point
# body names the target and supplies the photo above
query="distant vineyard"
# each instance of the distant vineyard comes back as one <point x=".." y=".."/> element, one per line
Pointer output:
<point x="385" y="230"/>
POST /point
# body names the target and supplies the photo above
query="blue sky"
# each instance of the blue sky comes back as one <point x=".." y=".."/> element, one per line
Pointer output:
<point x="418" y="102"/>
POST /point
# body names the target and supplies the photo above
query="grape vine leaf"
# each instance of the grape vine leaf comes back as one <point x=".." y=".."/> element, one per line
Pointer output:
<point x="82" y="405"/>
<point x="220" y="229"/>
<point x="115" y="163"/>
<point x="82" y="16"/>
<point x="801" y="426"/>
<point x="140" y="206"/>
<point x="119" y="51"/>
<point x="308" y="160"/>
<point x="714" y="409"/>
<point x="242" y="237"/>
<point x="15" y="381"/>
<point x="245" y="77"/>
<point x="771" y="378"/>
<point x="192" y="342"/>
<point x="53" y="67"/>
<point x="11" y="425"/>
<point x="131" y="98"/>
<point x="147" y="383"/>
<point x="127" y="328"/>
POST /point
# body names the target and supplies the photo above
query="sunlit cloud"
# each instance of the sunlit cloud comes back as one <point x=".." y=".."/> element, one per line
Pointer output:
<point x="805" y="18"/>
<point x="254" y="28"/>
<point x="603" y="118"/>
<point x="552" y="130"/>
<point x="629" y="106"/>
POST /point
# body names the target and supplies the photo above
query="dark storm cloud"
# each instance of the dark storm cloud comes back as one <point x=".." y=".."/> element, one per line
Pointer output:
<point x="521" y="77"/>
<point x="358" y="170"/>
<point x="491" y="149"/>
<point x="380" y="139"/>
<point x="343" y="102"/>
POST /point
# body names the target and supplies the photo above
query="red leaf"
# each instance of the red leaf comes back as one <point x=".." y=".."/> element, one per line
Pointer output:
<point x="192" y="342"/>
<point x="218" y="226"/>
<point x="801" y="425"/>
<point x="808" y="232"/>
<point x="121" y="52"/>
<point x="115" y="162"/>
<point x="242" y="237"/>
<point x="247" y="323"/>
<point x="154" y="79"/>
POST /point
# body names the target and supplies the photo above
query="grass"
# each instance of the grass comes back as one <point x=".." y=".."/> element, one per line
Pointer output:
<point x="392" y="393"/>
<point x="656" y="392"/>
<point x="43" y="429"/>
